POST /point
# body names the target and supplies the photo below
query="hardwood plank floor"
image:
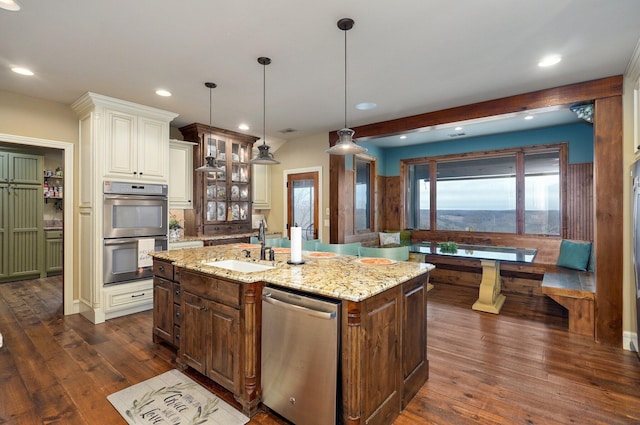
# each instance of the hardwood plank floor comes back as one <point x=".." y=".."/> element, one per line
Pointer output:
<point x="519" y="367"/>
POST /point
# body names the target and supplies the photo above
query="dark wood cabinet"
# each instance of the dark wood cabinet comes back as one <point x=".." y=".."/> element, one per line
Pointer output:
<point x="220" y="333"/>
<point x="415" y="365"/>
<point x="166" y="303"/>
<point x="222" y="201"/>
<point x="162" y="310"/>
<point x="384" y="352"/>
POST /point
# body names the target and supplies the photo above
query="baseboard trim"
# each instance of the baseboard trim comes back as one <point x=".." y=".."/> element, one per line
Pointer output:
<point x="628" y="338"/>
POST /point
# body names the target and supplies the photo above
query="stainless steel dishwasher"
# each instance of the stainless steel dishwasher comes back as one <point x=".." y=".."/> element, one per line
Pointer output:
<point x="300" y="343"/>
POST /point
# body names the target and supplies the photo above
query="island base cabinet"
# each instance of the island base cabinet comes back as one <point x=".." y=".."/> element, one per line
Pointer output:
<point x="219" y="333"/>
<point x="383" y="353"/>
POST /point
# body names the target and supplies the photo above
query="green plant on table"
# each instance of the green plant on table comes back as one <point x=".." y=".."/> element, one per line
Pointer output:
<point x="448" y="247"/>
<point x="174" y="224"/>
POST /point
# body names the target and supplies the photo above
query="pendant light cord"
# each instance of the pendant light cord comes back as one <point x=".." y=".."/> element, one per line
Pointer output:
<point x="264" y="104"/>
<point x="345" y="79"/>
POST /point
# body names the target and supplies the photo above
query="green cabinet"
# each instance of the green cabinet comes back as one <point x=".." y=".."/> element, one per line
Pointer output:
<point x="21" y="215"/>
<point x="53" y="251"/>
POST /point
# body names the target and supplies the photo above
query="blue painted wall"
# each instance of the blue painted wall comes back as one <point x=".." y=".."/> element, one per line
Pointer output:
<point x="579" y="136"/>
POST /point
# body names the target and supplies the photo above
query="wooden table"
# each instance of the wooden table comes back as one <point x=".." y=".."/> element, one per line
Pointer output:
<point x="490" y="298"/>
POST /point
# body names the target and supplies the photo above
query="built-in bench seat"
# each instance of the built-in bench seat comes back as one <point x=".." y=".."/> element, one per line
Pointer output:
<point x="575" y="291"/>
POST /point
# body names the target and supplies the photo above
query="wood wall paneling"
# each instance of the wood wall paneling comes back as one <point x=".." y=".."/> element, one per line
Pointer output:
<point x="579" y="222"/>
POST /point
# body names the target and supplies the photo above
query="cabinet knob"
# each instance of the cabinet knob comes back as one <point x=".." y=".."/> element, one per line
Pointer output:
<point x="178" y="293"/>
<point x="161" y="268"/>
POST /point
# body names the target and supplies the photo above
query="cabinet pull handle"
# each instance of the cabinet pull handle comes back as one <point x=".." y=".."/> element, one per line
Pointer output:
<point x="203" y="308"/>
<point x="137" y="295"/>
<point x="178" y="314"/>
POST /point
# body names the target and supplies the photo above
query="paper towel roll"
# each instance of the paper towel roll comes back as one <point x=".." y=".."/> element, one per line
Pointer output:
<point x="296" y="245"/>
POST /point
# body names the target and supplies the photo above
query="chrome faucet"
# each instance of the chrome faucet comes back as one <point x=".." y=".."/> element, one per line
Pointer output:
<point x="262" y="239"/>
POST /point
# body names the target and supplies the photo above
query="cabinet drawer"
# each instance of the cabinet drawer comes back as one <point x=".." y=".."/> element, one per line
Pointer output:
<point x="127" y="296"/>
<point x="211" y="288"/>
<point x="177" y="318"/>
<point x="163" y="269"/>
<point x="53" y="234"/>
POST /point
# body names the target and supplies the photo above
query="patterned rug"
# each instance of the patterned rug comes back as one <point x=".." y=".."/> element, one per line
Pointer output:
<point x="173" y="398"/>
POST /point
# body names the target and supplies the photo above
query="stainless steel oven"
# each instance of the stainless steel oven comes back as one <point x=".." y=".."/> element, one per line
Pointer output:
<point x="122" y="262"/>
<point x="134" y="210"/>
<point x="135" y="222"/>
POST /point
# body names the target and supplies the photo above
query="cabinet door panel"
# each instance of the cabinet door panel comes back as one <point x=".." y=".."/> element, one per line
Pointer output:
<point x="25" y="169"/>
<point x="153" y="147"/>
<point x="163" y="306"/>
<point x="381" y="325"/>
<point x="415" y="366"/>
<point x="224" y="366"/>
<point x="25" y="230"/>
<point x="195" y="331"/>
<point x="120" y="143"/>
<point x="4" y="232"/>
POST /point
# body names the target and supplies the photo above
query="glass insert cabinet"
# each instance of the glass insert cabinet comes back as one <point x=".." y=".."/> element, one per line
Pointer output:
<point x="223" y="199"/>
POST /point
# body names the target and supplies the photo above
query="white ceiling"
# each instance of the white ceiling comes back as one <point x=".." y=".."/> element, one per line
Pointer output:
<point x="407" y="56"/>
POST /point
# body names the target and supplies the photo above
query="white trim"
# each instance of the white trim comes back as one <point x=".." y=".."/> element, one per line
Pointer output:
<point x="70" y="305"/>
<point x="633" y="67"/>
<point x="628" y="338"/>
<point x="285" y="175"/>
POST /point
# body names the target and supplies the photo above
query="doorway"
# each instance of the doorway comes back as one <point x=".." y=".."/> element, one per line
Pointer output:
<point x="303" y="202"/>
<point x="66" y="149"/>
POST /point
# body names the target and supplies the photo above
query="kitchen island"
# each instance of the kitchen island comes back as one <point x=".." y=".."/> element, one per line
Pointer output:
<point x="383" y="322"/>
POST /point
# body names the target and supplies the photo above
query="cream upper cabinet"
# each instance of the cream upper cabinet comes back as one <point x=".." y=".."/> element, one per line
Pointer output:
<point x="137" y="147"/>
<point x="261" y="187"/>
<point x="180" y="174"/>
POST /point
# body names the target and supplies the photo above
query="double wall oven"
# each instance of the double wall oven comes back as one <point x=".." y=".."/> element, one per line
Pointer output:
<point x="135" y="222"/>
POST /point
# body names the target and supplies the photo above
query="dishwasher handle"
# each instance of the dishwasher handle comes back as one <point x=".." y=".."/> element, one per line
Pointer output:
<point x="311" y="312"/>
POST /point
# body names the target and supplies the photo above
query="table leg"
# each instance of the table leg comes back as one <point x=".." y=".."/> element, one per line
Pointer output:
<point x="490" y="299"/>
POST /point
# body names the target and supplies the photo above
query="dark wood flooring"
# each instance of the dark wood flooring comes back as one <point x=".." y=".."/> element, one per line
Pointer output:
<point x="519" y="367"/>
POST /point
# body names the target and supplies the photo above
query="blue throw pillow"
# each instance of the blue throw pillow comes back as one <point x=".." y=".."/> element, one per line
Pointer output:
<point x="574" y="255"/>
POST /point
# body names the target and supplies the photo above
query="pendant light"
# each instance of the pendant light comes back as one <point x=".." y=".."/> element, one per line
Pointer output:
<point x="345" y="145"/>
<point x="211" y="165"/>
<point x="264" y="156"/>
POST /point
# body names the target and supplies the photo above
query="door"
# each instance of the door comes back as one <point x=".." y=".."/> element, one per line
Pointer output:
<point x="302" y="203"/>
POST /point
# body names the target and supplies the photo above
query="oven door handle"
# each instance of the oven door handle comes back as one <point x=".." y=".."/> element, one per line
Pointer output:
<point x="119" y="241"/>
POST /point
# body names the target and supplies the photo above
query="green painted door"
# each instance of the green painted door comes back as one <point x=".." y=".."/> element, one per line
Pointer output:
<point x="21" y="216"/>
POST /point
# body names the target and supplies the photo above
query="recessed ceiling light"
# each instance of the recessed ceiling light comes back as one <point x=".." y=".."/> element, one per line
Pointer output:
<point x="243" y="127"/>
<point x="163" y="93"/>
<point x="549" y="60"/>
<point x="365" y="106"/>
<point x="9" y="5"/>
<point x="21" y="71"/>
<point x="458" y="128"/>
<point x="403" y="137"/>
<point x="528" y="117"/>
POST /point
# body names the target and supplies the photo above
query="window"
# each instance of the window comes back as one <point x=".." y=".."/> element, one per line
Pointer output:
<point x="542" y="193"/>
<point x="419" y="187"/>
<point x="477" y="194"/>
<point x="363" y="194"/>
<point x="511" y="191"/>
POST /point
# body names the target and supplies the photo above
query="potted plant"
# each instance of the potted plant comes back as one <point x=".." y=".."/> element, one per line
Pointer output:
<point x="174" y="228"/>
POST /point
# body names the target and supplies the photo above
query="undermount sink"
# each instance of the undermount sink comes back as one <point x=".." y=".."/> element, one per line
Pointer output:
<point x="239" y="266"/>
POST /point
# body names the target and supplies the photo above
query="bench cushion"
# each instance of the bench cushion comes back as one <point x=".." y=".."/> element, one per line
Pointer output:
<point x="574" y="254"/>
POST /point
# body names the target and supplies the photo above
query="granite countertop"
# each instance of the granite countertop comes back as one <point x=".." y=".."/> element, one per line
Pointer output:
<point x="343" y="277"/>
